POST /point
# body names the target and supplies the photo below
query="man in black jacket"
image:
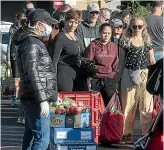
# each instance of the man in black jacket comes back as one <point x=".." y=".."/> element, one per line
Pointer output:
<point x="38" y="85"/>
<point x="11" y="56"/>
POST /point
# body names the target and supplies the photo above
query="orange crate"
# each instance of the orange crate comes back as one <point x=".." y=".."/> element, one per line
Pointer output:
<point x="89" y="99"/>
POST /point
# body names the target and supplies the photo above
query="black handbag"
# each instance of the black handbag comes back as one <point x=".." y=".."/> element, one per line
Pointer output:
<point x="86" y="66"/>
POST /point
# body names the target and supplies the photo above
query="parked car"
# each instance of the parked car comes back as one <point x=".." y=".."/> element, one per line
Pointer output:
<point x="4" y="27"/>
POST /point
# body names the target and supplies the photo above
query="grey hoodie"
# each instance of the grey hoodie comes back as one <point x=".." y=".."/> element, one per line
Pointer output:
<point x="86" y="34"/>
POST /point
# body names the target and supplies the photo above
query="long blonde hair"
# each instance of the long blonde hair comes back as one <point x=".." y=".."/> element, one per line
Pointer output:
<point x="145" y="35"/>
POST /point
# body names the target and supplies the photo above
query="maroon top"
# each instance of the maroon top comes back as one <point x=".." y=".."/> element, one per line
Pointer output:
<point x="106" y="57"/>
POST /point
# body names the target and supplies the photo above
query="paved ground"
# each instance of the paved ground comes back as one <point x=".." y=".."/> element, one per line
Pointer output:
<point x="12" y="133"/>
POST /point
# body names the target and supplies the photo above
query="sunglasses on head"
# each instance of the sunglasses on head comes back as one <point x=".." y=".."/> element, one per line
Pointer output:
<point x="137" y="26"/>
<point x="94" y="12"/>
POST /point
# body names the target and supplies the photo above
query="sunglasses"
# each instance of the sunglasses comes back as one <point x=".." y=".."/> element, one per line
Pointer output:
<point x="137" y="26"/>
<point x="94" y="12"/>
<point x="120" y="26"/>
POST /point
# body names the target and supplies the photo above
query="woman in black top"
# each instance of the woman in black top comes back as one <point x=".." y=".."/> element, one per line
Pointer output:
<point x="139" y="54"/>
<point x="65" y="52"/>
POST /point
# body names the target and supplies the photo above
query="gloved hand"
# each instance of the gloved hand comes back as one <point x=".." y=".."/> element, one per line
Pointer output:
<point x="44" y="109"/>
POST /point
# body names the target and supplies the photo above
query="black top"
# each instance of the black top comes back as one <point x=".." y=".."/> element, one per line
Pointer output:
<point x="133" y="54"/>
<point x="121" y="55"/>
<point x="65" y="51"/>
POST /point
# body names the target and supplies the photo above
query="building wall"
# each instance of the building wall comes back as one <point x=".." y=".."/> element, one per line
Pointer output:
<point x="82" y="4"/>
<point x="10" y="8"/>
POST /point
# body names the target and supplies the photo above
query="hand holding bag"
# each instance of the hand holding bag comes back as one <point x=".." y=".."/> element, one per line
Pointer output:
<point x="111" y="126"/>
<point x="86" y="66"/>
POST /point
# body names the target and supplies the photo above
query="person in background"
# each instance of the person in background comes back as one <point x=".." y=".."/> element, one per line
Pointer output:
<point x="105" y="54"/>
<point x="65" y="54"/>
<point x="104" y="15"/>
<point x="155" y="28"/>
<point x="125" y="17"/>
<point x="59" y="15"/>
<point x="139" y="54"/>
<point x="115" y="14"/>
<point x="11" y="53"/>
<point x="28" y="8"/>
<point x="117" y="27"/>
<point x="88" y="30"/>
<point x="38" y="86"/>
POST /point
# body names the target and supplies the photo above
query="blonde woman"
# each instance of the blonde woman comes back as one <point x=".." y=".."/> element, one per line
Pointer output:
<point x="139" y="54"/>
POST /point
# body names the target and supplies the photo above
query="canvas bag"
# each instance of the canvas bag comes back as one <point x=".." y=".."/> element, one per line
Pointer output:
<point x="111" y="125"/>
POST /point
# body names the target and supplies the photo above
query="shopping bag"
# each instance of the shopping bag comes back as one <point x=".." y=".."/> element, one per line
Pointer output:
<point x="157" y="107"/>
<point x="111" y="125"/>
<point x="7" y="84"/>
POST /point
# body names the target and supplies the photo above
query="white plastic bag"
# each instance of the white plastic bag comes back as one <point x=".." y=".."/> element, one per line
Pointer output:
<point x="114" y="104"/>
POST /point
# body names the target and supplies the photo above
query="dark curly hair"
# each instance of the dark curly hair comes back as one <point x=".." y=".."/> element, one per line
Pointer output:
<point x="73" y="14"/>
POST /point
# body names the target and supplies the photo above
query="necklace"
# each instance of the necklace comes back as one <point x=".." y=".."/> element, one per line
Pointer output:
<point x="72" y="37"/>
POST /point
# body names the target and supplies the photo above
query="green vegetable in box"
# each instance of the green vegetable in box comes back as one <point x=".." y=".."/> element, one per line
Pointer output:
<point x="67" y="102"/>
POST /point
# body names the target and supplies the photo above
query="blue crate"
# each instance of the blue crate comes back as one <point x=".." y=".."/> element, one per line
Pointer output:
<point x="70" y="135"/>
<point x="91" y="146"/>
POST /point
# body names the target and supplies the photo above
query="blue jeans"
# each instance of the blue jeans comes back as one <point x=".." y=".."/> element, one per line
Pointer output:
<point x="37" y="129"/>
<point x="158" y="55"/>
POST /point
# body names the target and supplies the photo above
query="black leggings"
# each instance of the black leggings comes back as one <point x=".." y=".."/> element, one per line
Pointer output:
<point x="14" y="68"/>
<point x="107" y="87"/>
<point x="68" y="80"/>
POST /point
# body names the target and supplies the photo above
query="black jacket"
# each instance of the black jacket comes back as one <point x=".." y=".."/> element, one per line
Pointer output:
<point x="37" y="75"/>
<point x="10" y="49"/>
<point x="155" y="78"/>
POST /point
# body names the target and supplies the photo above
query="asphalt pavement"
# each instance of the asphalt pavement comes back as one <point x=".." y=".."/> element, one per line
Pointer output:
<point x="12" y="132"/>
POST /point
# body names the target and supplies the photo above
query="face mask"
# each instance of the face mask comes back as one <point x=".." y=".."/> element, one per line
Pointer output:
<point x="47" y="31"/>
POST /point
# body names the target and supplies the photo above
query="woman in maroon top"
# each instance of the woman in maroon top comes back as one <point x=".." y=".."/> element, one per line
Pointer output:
<point x="105" y="54"/>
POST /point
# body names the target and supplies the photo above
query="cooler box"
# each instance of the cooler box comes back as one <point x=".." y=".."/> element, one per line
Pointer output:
<point x="70" y="135"/>
<point x="91" y="146"/>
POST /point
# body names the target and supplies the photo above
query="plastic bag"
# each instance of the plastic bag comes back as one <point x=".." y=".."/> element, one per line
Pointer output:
<point x="111" y="126"/>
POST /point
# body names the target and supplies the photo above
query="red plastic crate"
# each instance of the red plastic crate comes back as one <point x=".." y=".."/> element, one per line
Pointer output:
<point x="89" y="99"/>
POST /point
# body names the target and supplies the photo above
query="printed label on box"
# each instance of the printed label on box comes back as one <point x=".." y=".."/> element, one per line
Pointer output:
<point x="61" y="135"/>
<point x="85" y="120"/>
<point x="63" y="148"/>
<point x="86" y="135"/>
<point x="91" y="147"/>
<point x="57" y="120"/>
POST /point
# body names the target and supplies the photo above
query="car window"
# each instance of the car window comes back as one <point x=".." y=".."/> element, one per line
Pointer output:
<point x="5" y="37"/>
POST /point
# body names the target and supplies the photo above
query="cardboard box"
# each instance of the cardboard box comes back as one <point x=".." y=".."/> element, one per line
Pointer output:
<point x="91" y="146"/>
<point x="70" y="135"/>
<point x="57" y="121"/>
<point x="82" y="120"/>
<point x="69" y="121"/>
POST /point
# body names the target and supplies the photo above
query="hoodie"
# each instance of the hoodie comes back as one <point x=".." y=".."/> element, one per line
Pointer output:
<point x="106" y="58"/>
<point x="86" y="34"/>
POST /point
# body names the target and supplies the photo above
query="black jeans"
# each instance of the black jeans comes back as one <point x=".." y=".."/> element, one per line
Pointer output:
<point x="69" y="80"/>
<point x="106" y="86"/>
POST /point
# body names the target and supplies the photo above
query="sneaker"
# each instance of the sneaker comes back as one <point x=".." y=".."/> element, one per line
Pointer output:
<point x="18" y="100"/>
<point x="19" y="120"/>
<point x="129" y="139"/>
<point x="13" y="101"/>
